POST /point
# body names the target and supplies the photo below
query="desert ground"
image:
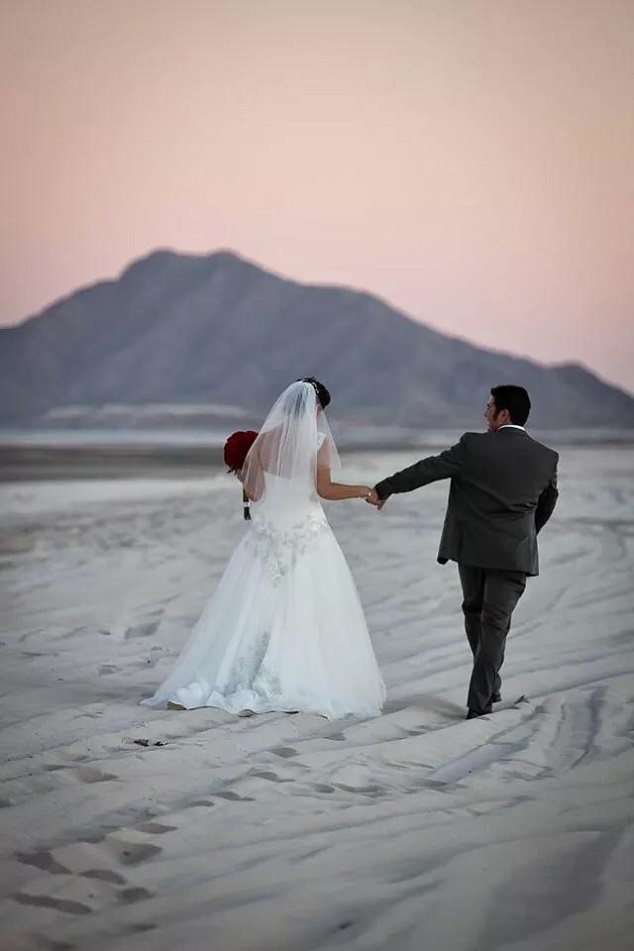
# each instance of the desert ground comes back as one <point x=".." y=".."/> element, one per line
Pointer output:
<point x="127" y="828"/>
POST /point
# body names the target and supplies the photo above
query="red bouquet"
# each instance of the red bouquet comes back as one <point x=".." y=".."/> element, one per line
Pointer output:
<point x="235" y="453"/>
<point x="237" y="447"/>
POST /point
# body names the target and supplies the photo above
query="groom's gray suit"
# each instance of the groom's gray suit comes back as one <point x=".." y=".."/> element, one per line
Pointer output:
<point x="503" y="491"/>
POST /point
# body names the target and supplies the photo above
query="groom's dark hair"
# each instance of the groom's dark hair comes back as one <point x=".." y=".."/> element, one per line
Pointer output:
<point x="323" y="396"/>
<point x="515" y="399"/>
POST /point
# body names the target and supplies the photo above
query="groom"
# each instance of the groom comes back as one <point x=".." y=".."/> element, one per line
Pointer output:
<point x="503" y="491"/>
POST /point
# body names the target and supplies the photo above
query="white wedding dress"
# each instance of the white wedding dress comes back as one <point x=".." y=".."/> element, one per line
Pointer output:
<point x="285" y="629"/>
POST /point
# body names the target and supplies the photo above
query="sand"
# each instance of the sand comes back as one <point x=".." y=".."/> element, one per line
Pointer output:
<point x="415" y="830"/>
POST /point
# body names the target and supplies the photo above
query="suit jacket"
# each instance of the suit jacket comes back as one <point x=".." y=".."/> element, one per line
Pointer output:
<point x="503" y="491"/>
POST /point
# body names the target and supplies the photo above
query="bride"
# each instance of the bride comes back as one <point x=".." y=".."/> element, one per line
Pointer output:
<point x="285" y="629"/>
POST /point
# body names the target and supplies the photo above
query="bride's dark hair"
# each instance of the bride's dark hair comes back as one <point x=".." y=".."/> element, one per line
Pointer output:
<point x="323" y="396"/>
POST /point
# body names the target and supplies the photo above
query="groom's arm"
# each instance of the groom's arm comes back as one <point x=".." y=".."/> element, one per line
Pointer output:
<point x="448" y="464"/>
<point x="547" y="501"/>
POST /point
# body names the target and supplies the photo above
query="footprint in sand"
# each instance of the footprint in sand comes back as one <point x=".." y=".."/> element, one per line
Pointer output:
<point x="89" y="774"/>
<point x="141" y="630"/>
<point x="59" y="904"/>
<point x="372" y="791"/>
<point x="155" y="828"/>
<point x="104" y="875"/>
<point x="272" y="777"/>
<point x="233" y="797"/>
<point x="130" y="896"/>
<point x="284" y="751"/>
<point x="44" y="861"/>
<point x="56" y="945"/>
<point x="131" y="853"/>
<point x="93" y="838"/>
<point x="146" y="662"/>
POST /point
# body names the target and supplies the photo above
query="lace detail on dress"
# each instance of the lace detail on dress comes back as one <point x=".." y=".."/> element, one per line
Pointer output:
<point x="281" y="548"/>
<point x="249" y="671"/>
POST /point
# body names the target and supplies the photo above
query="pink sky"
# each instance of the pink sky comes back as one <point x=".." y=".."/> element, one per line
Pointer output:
<point x="471" y="161"/>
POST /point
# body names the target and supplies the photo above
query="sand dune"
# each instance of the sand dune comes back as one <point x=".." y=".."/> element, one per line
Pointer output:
<point x="278" y="833"/>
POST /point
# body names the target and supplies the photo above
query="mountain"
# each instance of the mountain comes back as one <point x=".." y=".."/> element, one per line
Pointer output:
<point x="216" y="329"/>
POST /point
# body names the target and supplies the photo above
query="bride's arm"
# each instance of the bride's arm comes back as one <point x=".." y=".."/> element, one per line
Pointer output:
<point x="334" y="491"/>
<point x="253" y="493"/>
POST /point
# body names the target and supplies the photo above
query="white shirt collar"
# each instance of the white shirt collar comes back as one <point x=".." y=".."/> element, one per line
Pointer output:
<point x="511" y="426"/>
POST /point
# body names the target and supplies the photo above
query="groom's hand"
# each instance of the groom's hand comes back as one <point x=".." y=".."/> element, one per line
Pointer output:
<point x="373" y="499"/>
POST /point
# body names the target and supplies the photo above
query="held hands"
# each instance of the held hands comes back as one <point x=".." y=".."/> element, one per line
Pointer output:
<point x="373" y="499"/>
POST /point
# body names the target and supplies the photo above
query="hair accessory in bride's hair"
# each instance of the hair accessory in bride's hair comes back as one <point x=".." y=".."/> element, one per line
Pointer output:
<point x="235" y="454"/>
<point x="323" y="396"/>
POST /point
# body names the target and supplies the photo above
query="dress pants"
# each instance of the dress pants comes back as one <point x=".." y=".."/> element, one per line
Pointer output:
<point x="490" y="596"/>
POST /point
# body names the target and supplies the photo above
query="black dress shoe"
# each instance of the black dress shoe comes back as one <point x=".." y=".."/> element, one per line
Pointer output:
<point x="496" y="698"/>
<point x="472" y="714"/>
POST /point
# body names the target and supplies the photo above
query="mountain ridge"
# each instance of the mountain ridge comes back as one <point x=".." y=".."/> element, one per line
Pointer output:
<point x="218" y="328"/>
